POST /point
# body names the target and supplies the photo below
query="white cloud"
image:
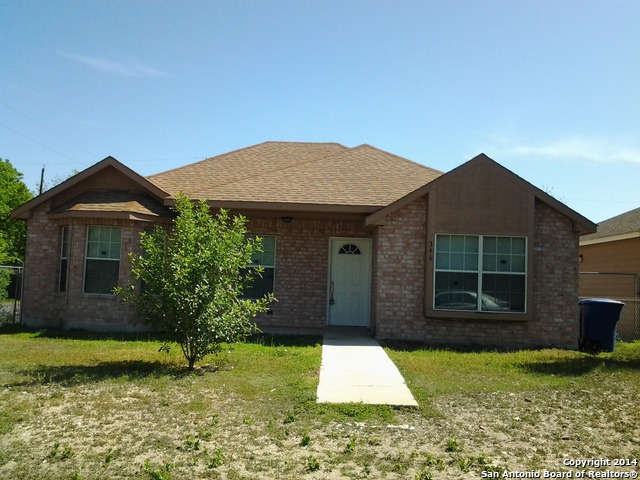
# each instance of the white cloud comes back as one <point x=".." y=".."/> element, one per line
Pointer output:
<point x="601" y="151"/>
<point x="125" y="67"/>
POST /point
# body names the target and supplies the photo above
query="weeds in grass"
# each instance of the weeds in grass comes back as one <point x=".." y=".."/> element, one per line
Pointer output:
<point x="192" y="443"/>
<point x="216" y="459"/>
<point x="399" y="468"/>
<point x="306" y="440"/>
<point x="431" y="461"/>
<point x="374" y="441"/>
<point x="362" y="412"/>
<point x="67" y="453"/>
<point x="160" y="473"/>
<point x="482" y="461"/>
<point x="453" y="445"/>
<point x="423" y="474"/>
<point x="54" y="450"/>
<point x="312" y="463"/>
<point x="351" y="445"/>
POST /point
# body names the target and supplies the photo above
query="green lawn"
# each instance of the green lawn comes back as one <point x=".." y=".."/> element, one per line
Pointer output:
<point x="84" y="406"/>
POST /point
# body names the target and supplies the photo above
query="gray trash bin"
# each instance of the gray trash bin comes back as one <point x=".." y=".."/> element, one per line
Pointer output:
<point x="598" y="323"/>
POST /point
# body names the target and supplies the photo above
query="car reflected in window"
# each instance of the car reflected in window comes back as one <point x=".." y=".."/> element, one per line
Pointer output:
<point x="468" y="300"/>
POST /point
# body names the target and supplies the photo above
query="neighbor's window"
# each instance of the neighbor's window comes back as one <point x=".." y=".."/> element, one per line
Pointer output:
<point x="266" y="259"/>
<point x="480" y="273"/>
<point x="102" y="259"/>
<point x="64" y="258"/>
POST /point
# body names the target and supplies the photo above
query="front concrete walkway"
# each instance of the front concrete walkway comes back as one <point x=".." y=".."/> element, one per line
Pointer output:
<point x="355" y="368"/>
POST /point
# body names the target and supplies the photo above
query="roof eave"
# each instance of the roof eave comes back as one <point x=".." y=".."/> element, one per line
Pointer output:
<point x="119" y="215"/>
<point x="610" y="238"/>
<point x="22" y="212"/>
<point x="286" y="206"/>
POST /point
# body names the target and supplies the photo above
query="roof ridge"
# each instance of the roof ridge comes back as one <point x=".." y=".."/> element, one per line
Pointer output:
<point x="398" y="157"/>
<point x="240" y="150"/>
<point x="205" y="159"/>
<point x="295" y="165"/>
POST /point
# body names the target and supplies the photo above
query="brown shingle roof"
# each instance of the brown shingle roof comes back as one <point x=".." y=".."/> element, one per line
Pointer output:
<point x="624" y="223"/>
<point x="301" y="173"/>
<point x="112" y="201"/>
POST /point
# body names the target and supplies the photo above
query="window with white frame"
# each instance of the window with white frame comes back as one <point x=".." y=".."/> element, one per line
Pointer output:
<point x="480" y="273"/>
<point x="102" y="259"/>
<point x="260" y="286"/>
<point x="64" y="259"/>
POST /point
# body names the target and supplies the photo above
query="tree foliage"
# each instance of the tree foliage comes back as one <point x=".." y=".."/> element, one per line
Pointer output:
<point x="190" y="279"/>
<point x="13" y="233"/>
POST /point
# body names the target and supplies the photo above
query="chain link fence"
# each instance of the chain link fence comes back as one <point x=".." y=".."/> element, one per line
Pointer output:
<point x="624" y="287"/>
<point x="10" y="294"/>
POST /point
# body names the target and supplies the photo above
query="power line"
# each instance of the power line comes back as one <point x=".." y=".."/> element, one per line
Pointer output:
<point x="42" y="144"/>
<point x="39" y="143"/>
<point x="47" y="129"/>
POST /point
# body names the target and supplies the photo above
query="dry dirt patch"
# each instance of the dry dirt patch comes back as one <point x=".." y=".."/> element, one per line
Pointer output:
<point x="125" y="431"/>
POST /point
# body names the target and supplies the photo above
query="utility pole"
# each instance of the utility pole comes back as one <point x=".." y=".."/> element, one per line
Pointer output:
<point x="42" y="180"/>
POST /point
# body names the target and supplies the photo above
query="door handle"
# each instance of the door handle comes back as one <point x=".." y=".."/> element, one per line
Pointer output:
<point x="331" y="290"/>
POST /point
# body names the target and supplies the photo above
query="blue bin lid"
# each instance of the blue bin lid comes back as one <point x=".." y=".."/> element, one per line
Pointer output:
<point x="585" y="301"/>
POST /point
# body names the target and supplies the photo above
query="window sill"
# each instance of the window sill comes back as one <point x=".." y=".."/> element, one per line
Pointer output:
<point x="99" y="295"/>
<point x="477" y="316"/>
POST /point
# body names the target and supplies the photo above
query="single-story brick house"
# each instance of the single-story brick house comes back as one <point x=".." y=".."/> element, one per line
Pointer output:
<point x="352" y="236"/>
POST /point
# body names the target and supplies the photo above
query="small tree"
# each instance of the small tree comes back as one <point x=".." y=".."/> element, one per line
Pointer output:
<point x="191" y="279"/>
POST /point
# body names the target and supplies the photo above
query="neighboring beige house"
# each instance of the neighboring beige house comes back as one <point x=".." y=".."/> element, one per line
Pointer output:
<point x="610" y="267"/>
<point x="352" y="237"/>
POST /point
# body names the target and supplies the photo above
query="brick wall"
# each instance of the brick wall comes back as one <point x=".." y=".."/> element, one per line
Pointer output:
<point x="43" y="305"/>
<point x="302" y="262"/>
<point x="398" y="273"/>
<point x="399" y="287"/>
<point x="555" y="280"/>
<point x="302" y="256"/>
<point x="39" y="305"/>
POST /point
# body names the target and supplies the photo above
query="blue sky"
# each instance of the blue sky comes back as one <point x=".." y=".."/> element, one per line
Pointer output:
<point x="549" y="89"/>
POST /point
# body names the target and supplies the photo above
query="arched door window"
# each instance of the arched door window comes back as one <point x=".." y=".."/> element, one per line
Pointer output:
<point x="349" y="249"/>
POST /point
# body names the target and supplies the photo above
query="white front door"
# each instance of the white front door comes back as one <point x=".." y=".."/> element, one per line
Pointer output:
<point x="350" y="282"/>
